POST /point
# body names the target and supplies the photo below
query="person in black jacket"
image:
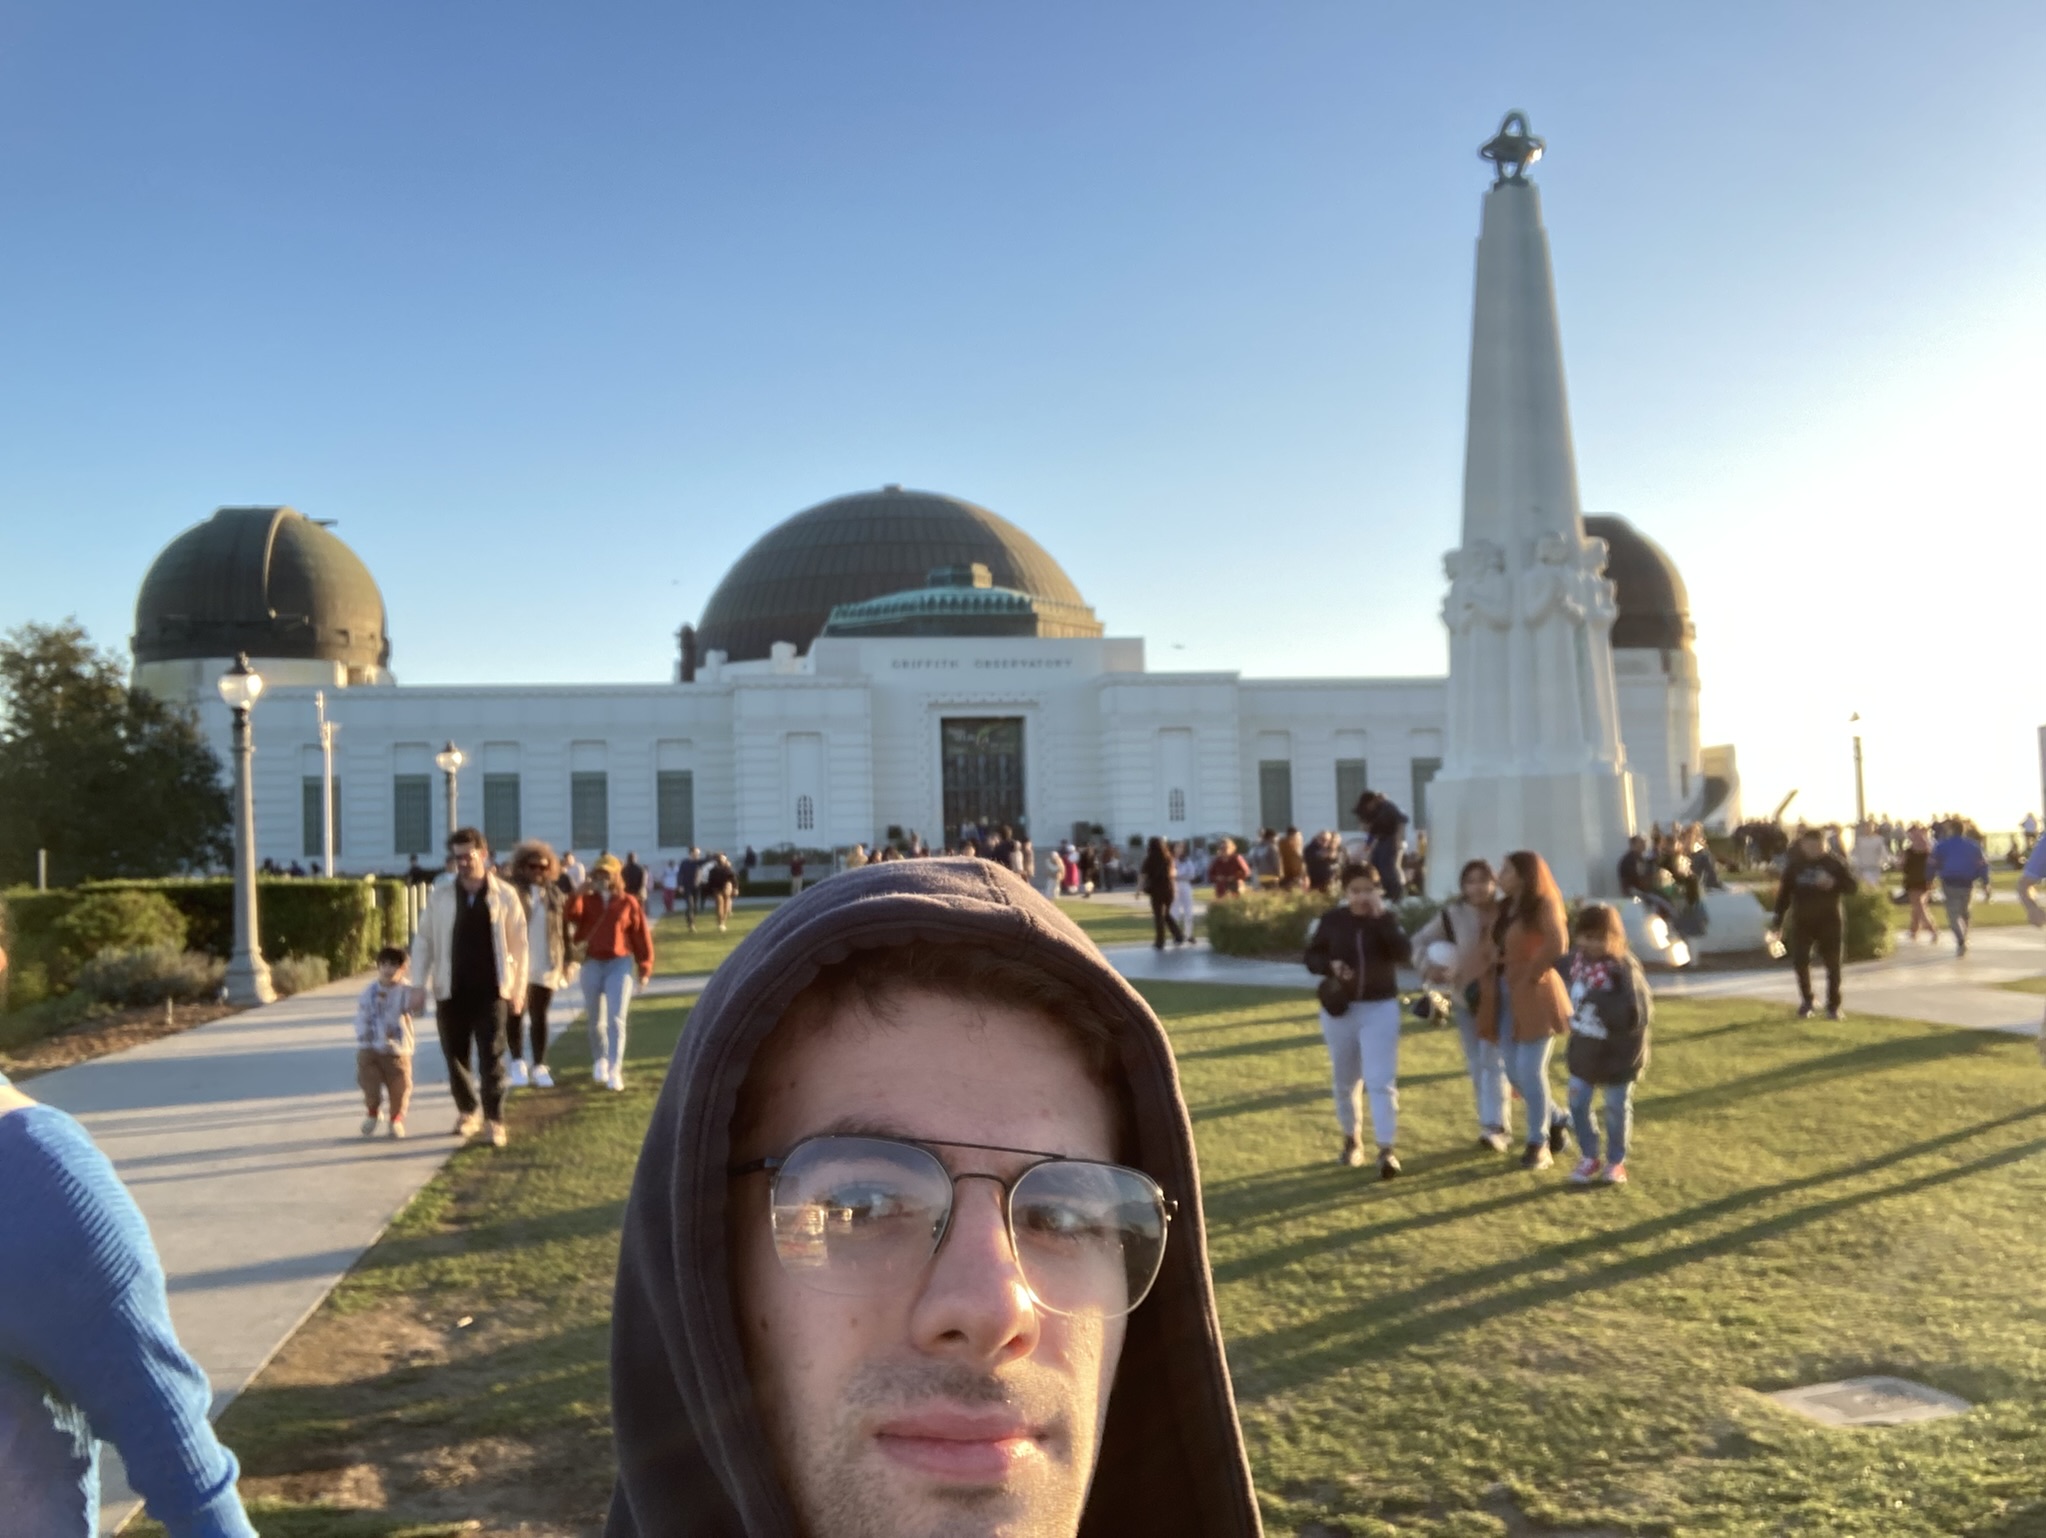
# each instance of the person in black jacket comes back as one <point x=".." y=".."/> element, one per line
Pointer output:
<point x="1386" y="825"/>
<point x="1612" y="1010"/>
<point x="1159" y="877"/>
<point x="1813" y="883"/>
<point x="1358" y="947"/>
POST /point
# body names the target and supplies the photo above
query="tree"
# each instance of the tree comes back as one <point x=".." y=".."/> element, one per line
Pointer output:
<point x="110" y="780"/>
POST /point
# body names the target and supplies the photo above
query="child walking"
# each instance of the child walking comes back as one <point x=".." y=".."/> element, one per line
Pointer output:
<point x="1611" y="1013"/>
<point x="383" y="1044"/>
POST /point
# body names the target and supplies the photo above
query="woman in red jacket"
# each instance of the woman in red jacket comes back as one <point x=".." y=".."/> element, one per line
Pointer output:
<point x="1522" y="1002"/>
<point x="610" y="929"/>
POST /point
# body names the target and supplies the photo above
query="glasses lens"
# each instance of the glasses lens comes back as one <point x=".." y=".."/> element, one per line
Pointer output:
<point x="857" y="1216"/>
<point x="1089" y="1237"/>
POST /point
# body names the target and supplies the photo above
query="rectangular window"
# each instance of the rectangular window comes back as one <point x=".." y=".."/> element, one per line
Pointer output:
<point x="1275" y="793"/>
<point x="1425" y="770"/>
<point x="1353" y="778"/>
<point x="501" y="810"/>
<point x="412" y="814"/>
<point x="589" y="809"/>
<point x="675" y="808"/>
<point x="315" y="834"/>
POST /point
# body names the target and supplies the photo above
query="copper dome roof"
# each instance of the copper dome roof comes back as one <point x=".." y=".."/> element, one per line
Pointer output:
<point x="1655" y="609"/>
<point x="263" y="580"/>
<point x="872" y="544"/>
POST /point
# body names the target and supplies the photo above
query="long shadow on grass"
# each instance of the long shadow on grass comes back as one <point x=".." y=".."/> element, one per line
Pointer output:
<point x="1333" y="1341"/>
<point x="397" y="1251"/>
<point x="1252" y="1048"/>
<point x="1900" y="1052"/>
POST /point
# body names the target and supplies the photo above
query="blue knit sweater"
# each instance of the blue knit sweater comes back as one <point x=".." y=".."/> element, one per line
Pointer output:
<point x="87" y="1350"/>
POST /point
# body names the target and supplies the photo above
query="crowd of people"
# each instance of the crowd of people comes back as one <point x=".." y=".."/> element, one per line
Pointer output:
<point x="1518" y="976"/>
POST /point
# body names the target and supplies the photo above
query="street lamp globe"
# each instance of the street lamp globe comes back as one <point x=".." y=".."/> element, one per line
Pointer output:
<point x="449" y="759"/>
<point x="240" y="684"/>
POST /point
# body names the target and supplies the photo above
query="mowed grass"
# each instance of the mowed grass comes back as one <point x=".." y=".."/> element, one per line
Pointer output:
<point x="1465" y="1351"/>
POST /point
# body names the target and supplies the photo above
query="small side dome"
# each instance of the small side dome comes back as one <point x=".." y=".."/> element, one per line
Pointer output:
<point x="267" y="581"/>
<point x="1655" y="608"/>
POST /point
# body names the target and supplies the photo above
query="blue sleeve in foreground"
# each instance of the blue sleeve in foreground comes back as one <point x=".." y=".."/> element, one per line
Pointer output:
<point x="82" y="1301"/>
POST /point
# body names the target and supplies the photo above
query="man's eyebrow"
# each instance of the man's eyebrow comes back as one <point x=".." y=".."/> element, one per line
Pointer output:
<point x="860" y="1125"/>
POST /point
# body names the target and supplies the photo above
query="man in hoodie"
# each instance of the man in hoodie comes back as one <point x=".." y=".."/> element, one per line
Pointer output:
<point x="915" y="1243"/>
<point x="1814" y="882"/>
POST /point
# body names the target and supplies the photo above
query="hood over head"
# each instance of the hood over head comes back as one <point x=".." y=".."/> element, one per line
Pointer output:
<point x="693" y="1457"/>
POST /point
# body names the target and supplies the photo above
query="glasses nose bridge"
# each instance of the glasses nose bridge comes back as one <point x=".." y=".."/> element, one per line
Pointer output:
<point x="1005" y="1187"/>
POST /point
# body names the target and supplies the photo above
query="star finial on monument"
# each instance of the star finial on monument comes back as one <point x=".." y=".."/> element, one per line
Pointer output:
<point x="1513" y="149"/>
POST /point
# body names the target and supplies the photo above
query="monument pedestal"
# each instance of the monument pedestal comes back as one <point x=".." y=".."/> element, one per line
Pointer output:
<point x="1575" y="821"/>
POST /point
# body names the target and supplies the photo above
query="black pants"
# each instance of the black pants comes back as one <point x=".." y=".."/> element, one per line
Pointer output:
<point x="1162" y="919"/>
<point x="1826" y="937"/>
<point x="468" y="1024"/>
<point x="537" y="999"/>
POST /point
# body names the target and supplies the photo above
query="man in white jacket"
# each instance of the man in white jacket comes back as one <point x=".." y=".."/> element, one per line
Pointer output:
<point x="470" y="954"/>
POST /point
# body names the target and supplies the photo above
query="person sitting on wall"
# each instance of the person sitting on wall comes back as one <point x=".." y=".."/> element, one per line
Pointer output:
<point x="1640" y="876"/>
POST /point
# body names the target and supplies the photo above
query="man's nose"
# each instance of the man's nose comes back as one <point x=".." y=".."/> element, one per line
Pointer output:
<point x="975" y="1305"/>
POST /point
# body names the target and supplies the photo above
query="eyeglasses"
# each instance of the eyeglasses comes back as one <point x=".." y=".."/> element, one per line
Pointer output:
<point x="863" y="1216"/>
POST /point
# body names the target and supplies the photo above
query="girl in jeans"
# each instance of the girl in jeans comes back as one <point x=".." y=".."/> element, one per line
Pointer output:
<point x="1522" y="1004"/>
<point x="1608" y="1039"/>
<point x="610" y="926"/>
<point x="1358" y="947"/>
<point x="1465" y="922"/>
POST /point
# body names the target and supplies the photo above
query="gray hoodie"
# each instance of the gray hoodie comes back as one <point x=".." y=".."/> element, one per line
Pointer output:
<point x="692" y="1456"/>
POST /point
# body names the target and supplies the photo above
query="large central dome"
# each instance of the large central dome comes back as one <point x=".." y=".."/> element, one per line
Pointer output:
<point x="869" y="545"/>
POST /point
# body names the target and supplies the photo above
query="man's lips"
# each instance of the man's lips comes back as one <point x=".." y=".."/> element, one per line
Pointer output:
<point x="970" y="1446"/>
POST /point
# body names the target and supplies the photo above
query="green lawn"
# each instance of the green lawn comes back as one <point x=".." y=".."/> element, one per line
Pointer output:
<point x="2028" y="985"/>
<point x="1461" y="1352"/>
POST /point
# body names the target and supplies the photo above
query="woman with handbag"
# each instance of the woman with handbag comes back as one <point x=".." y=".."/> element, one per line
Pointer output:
<point x="1522" y="1003"/>
<point x="1357" y="949"/>
<point x="1463" y="925"/>
<point x="534" y="872"/>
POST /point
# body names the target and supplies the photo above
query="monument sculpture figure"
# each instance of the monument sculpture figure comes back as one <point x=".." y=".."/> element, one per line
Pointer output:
<point x="1532" y="753"/>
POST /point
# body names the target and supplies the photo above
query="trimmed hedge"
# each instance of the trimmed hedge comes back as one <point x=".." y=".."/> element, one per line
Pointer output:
<point x="1273" y="925"/>
<point x="150" y="975"/>
<point x="122" y="920"/>
<point x="343" y="922"/>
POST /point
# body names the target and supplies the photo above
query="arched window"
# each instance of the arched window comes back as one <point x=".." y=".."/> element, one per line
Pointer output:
<point x="1175" y="806"/>
<point x="806" y="814"/>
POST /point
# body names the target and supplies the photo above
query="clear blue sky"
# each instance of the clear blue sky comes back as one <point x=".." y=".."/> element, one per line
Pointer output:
<point x="556" y="308"/>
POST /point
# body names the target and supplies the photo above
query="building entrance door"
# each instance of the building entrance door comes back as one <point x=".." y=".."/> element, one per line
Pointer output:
<point x="983" y="772"/>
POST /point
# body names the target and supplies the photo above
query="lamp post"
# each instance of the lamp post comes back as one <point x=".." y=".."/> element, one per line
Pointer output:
<point x="450" y="760"/>
<point x="248" y="975"/>
<point x="326" y="784"/>
<point x="1860" y="794"/>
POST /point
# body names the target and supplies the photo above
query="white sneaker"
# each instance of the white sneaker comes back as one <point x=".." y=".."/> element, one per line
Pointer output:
<point x="542" y="1079"/>
<point x="369" y="1125"/>
<point x="617" y="1080"/>
<point x="601" y="1071"/>
<point x="519" y="1079"/>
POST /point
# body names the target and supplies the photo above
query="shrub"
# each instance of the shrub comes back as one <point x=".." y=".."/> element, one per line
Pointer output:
<point x="295" y="974"/>
<point x="1269" y="924"/>
<point x="150" y="974"/>
<point x="113" y="921"/>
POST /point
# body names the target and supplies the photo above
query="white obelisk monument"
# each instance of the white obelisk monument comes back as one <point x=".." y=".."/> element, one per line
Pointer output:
<point x="1532" y="757"/>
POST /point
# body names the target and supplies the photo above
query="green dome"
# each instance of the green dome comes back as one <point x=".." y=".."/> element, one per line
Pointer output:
<point x="263" y="580"/>
<point x="876" y="544"/>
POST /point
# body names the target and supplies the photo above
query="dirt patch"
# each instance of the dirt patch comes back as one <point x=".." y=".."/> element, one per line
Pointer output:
<point x="353" y="1413"/>
<point x="99" y="1035"/>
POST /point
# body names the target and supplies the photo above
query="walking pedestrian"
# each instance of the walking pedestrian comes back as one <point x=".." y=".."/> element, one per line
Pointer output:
<point x="1522" y="1003"/>
<point x="1051" y="870"/>
<point x="1159" y="877"/>
<point x="1814" y="883"/>
<point x="721" y="885"/>
<point x="383" y="1044"/>
<point x="1188" y="867"/>
<point x="1356" y="949"/>
<point x="1917" y="872"/>
<point x="572" y="873"/>
<point x="547" y="960"/>
<point x="1959" y="862"/>
<point x="1869" y="855"/>
<point x="470" y="955"/>
<point x="1464" y="923"/>
<point x="88" y="1353"/>
<point x="634" y="876"/>
<point x="671" y="877"/>
<point x="1612" y="1011"/>
<point x="689" y="886"/>
<point x="610" y="929"/>
<point x="795" y="872"/>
